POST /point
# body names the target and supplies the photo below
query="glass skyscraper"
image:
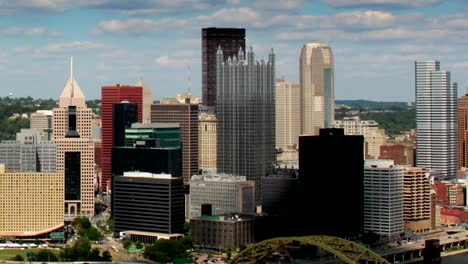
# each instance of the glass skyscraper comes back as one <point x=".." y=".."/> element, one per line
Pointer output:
<point x="246" y="116"/>
<point x="317" y="88"/>
<point x="437" y="119"/>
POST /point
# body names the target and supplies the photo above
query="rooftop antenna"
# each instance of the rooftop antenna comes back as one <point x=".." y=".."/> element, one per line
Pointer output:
<point x="72" y="94"/>
<point x="71" y="68"/>
<point x="189" y="79"/>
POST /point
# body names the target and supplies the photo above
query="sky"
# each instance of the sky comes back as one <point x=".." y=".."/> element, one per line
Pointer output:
<point x="375" y="42"/>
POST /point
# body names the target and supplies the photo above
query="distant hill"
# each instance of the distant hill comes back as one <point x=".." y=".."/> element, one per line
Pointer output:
<point x="366" y="102"/>
<point x="11" y="107"/>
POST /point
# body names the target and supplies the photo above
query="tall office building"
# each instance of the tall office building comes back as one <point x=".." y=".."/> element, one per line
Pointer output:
<point x="223" y="193"/>
<point x="246" y="116"/>
<point x="463" y="131"/>
<point x="317" y="88"/>
<point x="32" y="203"/>
<point x="41" y="120"/>
<point x="437" y="119"/>
<point x="416" y="199"/>
<point x="147" y="102"/>
<point x="207" y="140"/>
<point x="149" y="203"/>
<point x="124" y="115"/>
<point x="28" y="153"/>
<point x="332" y="178"/>
<point x="230" y="40"/>
<point x="186" y="115"/>
<point x="288" y="114"/>
<point x="111" y="95"/>
<point x="75" y="149"/>
<point x="383" y="198"/>
<point x="152" y="148"/>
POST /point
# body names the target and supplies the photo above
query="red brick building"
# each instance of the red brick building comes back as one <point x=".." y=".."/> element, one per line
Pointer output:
<point x="441" y="190"/>
<point x="400" y="154"/>
<point x="111" y="95"/>
<point x="453" y="216"/>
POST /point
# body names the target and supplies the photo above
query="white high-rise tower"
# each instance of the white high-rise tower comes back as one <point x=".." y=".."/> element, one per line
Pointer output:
<point x="437" y="119"/>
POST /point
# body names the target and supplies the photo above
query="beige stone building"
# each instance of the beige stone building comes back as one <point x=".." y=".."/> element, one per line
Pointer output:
<point x="207" y="140"/>
<point x="147" y="101"/>
<point x="317" y="88"/>
<point x="31" y="203"/>
<point x="75" y="150"/>
<point x="373" y="135"/>
<point x="288" y="114"/>
<point x="416" y="199"/>
<point x="42" y="121"/>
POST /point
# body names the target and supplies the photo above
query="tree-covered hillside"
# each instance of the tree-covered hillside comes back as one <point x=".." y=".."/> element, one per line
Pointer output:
<point x="15" y="113"/>
<point x="394" y="117"/>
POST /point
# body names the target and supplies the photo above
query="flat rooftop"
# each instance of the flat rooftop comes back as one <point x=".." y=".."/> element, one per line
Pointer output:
<point x="152" y="234"/>
<point x="155" y="125"/>
<point x="140" y="174"/>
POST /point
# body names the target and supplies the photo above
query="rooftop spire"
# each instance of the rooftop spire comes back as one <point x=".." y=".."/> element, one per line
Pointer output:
<point x="72" y="94"/>
<point x="71" y="68"/>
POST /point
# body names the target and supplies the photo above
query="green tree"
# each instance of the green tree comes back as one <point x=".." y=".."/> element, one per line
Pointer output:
<point x="94" y="255"/>
<point x="106" y="256"/>
<point x="83" y="248"/>
<point x="81" y="251"/>
<point x="127" y="244"/>
<point x="45" y="255"/>
<point x="139" y="245"/>
<point x="165" y="250"/>
<point x="18" y="258"/>
<point x="228" y="250"/>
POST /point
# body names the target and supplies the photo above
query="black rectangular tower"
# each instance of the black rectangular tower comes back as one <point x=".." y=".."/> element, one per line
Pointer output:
<point x="230" y="40"/>
<point x="124" y="114"/>
<point x="331" y="176"/>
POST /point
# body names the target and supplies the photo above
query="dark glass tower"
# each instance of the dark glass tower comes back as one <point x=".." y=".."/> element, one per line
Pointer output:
<point x="230" y="40"/>
<point x="331" y="181"/>
<point x="123" y="114"/>
<point x="72" y="175"/>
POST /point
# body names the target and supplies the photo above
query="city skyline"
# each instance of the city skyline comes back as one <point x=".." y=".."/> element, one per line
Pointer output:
<point x="375" y="42"/>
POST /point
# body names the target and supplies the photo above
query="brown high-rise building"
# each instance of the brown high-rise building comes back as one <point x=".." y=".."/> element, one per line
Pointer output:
<point x="416" y="200"/>
<point x="230" y="40"/>
<point x="75" y="149"/>
<point x="186" y="115"/>
<point x="463" y="131"/>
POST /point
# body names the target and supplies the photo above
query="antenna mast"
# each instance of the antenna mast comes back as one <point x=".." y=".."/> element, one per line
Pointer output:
<point x="189" y="79"/>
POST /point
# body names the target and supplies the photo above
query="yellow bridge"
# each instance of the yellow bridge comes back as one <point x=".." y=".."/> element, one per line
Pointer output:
<point x="347" y="251"/>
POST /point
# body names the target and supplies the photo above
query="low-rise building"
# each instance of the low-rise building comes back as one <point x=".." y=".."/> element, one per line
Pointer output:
<point x="453" y="216"/>
<point x="223" y="193"/>
<point x="218" y="232"/>
<point x="31" y="203"/>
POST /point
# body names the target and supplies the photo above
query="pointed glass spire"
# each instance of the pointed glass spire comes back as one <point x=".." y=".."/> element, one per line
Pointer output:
<point x="240" y="54"/>
<point x="219" y="51"/>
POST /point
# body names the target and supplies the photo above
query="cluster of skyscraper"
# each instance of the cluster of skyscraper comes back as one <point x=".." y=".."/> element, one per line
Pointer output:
<point x="216" y="163"/>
